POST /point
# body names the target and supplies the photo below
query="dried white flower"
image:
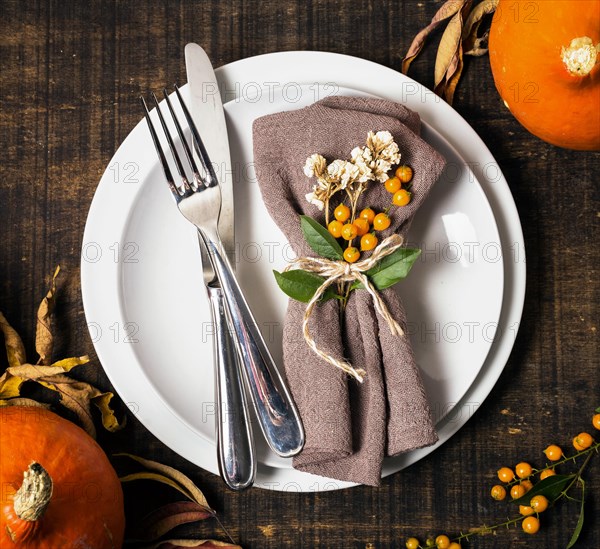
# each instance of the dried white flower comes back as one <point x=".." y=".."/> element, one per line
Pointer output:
<point x="312" y="199"/>
<point x="342" y="172"/>
<point x="362" y="158"/>
<point x="315" y="166"/>
<point x="369" y="163"/>
<point x="391" y="153"/>
<point x="381" y="169"/>
<point x="378" y="141"/>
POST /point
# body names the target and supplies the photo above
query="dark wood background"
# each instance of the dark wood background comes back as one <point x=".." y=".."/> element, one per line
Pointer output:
<point x="70" y="77"/>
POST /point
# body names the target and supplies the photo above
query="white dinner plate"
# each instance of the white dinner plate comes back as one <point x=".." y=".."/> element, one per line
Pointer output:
<point x="147" y="309"/>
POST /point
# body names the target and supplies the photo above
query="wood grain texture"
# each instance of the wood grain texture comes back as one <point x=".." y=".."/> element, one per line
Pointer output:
<point x="70" y="77"/>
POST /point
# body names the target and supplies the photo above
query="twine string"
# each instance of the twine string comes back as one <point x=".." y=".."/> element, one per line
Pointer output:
<point x="341" y="271"/>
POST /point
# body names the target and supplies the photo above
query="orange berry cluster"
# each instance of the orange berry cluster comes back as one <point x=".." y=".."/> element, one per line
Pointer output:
<point x="403" y="175"/>
<point x="518" y="482"/>
<point x="343" y="227"/>
<point x="538" y="504"/>
<point x="440" y="542"/>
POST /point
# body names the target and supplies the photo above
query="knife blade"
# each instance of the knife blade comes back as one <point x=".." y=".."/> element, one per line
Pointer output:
<point x="207" y="112"/>
<point x="235" y="443"/>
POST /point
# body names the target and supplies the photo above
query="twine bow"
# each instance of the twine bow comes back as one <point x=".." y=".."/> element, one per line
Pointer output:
<point x="341" y="271"/>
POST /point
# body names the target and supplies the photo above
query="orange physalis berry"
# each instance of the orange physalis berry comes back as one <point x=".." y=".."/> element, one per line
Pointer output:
<point x="523" y="469"/>
<point x="531" y="525"/>
<point x="335" y="228"/>
<point x="342" y="213"/>
<point x="362" y="226"/>
<point x="381" y="222"/>
<point x="367" y="214"/>
<point x="401" y="198"/>
<point x="582" y="441"/>
<point x="351" y="254"/>
<point x="517" y="491"/>
<point x="553" y="452"/>
<point x="547" y="473"/>
<point x="539" y="503"/>
<point x="526" y="510"/>
<point x="392" y="185"/>
<point x="506" y="474"/>
<point x="404" y="173"/>
<point x="412" y="543"/>
<point x="349" y="231"/>
<point x="527" y="484"/>
<point x="498" y="492"/>
<point x="368" y="242"/>
<point x="442" y="542"/>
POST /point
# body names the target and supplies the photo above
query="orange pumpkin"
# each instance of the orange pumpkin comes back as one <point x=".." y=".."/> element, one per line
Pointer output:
<point x="545" y="61"/>
<point x="58" y="487"/>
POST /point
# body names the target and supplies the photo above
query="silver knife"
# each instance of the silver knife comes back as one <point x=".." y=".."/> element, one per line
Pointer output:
<point x="235" y="444"/>
<point x="275" y="410"/>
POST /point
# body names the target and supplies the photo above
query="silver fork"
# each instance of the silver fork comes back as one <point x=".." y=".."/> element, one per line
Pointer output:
<point x="235" y="445"/>
<point x="199" y="200"/>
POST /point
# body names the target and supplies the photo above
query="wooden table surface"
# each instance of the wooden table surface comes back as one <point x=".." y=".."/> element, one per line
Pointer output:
<point x="71" y="74"/>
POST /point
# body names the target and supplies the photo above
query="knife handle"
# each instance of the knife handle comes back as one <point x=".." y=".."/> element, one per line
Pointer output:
<point x="275" y="409"/>
<point x="236" y="454"/>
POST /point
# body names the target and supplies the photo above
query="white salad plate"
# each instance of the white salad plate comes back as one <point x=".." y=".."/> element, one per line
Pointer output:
<point x="146" y="306"/>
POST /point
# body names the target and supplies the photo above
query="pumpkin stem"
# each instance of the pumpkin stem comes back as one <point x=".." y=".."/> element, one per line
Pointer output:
<point x="581" y="56"/>
<point x="33" y="496"/>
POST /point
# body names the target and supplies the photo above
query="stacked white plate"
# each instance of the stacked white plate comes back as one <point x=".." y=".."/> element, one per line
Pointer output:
<point x="145" y="302"/>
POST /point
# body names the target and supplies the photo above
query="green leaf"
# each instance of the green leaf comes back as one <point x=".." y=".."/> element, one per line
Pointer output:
<point x="579" y="526"/>
<point x="598" y="410"/>
<point x="302" y="285"/>
<point x="319" y="239"/>
<point x="551" y="487"/>
<point x="392" y="268"/>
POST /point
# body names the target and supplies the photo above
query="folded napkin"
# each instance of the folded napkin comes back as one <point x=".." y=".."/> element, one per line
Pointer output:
<point x="349" y="426"/>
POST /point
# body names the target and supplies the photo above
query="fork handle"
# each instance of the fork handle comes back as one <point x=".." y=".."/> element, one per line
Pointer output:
<point x="235" y="445"/>
<point x="276" y="412"/>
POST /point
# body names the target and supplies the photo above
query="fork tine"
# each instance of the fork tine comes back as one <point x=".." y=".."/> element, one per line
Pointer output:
<point x="186" y="147"/>
<point x="184" y="180"/>
<point x="210" y="177"/>
<point x="161" y="154"/>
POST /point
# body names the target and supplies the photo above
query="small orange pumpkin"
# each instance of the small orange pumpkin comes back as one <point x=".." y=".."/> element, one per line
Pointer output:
<point x="545" y="59"/>
<point x="59" y="489"/>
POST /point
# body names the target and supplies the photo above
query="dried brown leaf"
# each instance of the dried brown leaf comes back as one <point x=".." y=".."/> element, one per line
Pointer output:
<point x="32" y="372"/>
<point x="10" y="386"/>
<point x="446" y="61"/>
<point x="448" y="9"/>
<point x="157" y="477"/>
<point x="168" y="475"/>
<point x="43" y="333"/>
<point x="14" y="377"/>
<point x="453" y="79"/>
<point x="24" y="402"/>
<point x="164" y="519"/>
<point x="109" y="420"/>
<point x="15" y="350"/>
<point x="75" y="396"/>
<point x="67" y="364"/>
<point x="205" y="544"/>
<point x="472" y="44"/>
<point x="479" y="46"/>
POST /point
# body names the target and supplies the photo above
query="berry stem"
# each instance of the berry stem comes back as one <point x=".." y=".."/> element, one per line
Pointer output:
<point x="577" y="476"/>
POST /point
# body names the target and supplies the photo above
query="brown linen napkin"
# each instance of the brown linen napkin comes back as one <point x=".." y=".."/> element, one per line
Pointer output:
<point x="349" y="426"/>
